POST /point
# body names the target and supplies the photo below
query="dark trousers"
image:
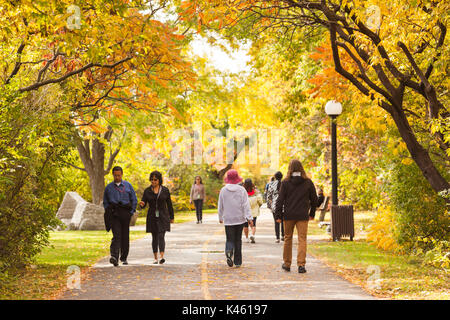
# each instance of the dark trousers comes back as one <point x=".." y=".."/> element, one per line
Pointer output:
<point x="158" y="241"/>
<point x="277" y="228"/>
<point x="120" y="243"/>
<point x="198" y="208"/>
<point x="233" y="245"/>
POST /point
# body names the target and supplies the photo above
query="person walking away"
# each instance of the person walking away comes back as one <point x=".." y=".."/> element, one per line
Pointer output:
<point x="266" y="188"/>
<point x="234" y="211"/>
<point x="159" y="215"/>
<point x="272" y="196"/>
<point x="296" y="205"/>
<point x="119" y="201"/>
<point x="256" y="201"/>
<point x="198" y="196"/>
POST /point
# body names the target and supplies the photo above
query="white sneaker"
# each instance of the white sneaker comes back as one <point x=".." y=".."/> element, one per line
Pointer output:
<point x="248" y="240"/>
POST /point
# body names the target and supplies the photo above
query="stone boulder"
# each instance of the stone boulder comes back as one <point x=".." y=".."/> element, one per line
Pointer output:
<point x="78" y="214"/>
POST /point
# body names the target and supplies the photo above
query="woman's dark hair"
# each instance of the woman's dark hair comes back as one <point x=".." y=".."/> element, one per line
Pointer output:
<point x="157" y="175"/>
<point x="117" y="168"/>
<point x="278" y="175"/>
<point x="248" y="185"/>
<point x="296" y="166"/>
<point x="201" y="181"/>
<point x="273" y="178"/>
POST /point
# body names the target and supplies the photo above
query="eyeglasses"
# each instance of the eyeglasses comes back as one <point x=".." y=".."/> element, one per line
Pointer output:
<point x="154" y="179"/>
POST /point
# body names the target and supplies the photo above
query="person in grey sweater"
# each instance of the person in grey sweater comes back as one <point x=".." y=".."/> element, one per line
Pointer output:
<point x="234" y="212"/>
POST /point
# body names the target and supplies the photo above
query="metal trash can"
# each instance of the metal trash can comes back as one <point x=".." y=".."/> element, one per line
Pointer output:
<point x="342" y="222"/>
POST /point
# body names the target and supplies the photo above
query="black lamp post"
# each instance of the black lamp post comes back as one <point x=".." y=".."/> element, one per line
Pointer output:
<point x="333" y="109"/>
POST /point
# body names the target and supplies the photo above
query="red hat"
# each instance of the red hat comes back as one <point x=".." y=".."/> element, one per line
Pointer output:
<point x="232" y="177"/>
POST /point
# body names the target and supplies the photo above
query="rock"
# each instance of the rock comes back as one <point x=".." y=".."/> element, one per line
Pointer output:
<point x="67" y="208"/>
<point x="78" y="214"/>
<point x="93" y="218"/>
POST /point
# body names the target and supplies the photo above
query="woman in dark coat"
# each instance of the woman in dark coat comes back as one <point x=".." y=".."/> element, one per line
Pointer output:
<point x="160" y="213"/>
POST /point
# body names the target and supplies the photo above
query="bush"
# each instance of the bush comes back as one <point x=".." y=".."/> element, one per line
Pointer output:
<point x="382" y="231"/>
<point x="33" y="140"/>
<point x="412" y="219"/>
<point x="419" y="211"/>
<point x="439" y="256"/>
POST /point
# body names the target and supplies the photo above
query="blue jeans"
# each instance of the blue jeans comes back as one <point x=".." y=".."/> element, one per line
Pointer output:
<point x="233" y="245"/>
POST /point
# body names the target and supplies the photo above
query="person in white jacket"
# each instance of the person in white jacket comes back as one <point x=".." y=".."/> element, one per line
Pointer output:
<point x="255" y="199"/>
<point x="234" y="212"/>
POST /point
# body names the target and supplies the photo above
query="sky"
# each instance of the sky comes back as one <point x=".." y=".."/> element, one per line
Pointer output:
<point x="234" y="62"/>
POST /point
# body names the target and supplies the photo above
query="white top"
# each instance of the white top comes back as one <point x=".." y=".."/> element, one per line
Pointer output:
<point x="234" y="207"/>
<point x="256" y="202"/>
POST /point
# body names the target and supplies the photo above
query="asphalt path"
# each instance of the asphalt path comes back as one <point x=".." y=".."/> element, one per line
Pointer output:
<point x="196" y="269"/>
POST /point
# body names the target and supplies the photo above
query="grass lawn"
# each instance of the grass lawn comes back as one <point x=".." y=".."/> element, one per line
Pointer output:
<point x="400" y="276"/>
<point x="48" y="275"/>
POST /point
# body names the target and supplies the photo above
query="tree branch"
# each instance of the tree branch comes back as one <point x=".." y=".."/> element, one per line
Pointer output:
<point x="72" y="73"/>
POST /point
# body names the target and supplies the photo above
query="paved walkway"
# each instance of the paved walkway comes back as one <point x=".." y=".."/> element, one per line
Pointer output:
<point x="196" y="269"/>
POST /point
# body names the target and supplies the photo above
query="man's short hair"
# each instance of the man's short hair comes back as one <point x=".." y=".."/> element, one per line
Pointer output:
<point x="117" y="168"/>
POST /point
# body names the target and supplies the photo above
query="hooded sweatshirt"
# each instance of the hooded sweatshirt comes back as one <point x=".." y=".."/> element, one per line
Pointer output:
<point x="234" y="207"/>
<point x="297" y="199"/>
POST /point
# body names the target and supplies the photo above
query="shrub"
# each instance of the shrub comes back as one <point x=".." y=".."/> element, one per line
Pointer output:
<point x="382" y="231"/>
<point x="33" y="140"/>
<point x="438" y="256"/>
<point x="419" y="211"/>
<point x="412" y="218"/>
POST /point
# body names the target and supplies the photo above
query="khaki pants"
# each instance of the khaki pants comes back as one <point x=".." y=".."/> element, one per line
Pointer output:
<point x="302" y="230"/>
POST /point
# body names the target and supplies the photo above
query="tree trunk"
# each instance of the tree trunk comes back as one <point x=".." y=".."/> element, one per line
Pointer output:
<point x="97" y="178"/>
<point x="94" y="163"/>
<point x="420" y="156"/>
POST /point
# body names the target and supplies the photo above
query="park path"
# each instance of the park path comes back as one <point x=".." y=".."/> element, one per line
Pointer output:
<point x="196" y="269"/>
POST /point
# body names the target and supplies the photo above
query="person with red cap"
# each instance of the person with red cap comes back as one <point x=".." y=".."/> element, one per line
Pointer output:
<point x="234" y="212"/>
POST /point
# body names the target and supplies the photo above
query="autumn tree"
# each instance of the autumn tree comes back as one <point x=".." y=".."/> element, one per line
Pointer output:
<point x="398" y="58"/>
<point x="66" y="65"/>
<point x="108" y="56"/>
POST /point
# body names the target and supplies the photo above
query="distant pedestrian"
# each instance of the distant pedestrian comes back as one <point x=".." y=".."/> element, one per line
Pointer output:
<point x="296" y="205"/>
<point x="160" y="213"/>
<point x="272" y="196"/>
<point x="266" y="188"/>
<point x="256" y="201"/>
<point x="320" y="197"/>
<point x="234" y="212"/>
<point x="198" y="196"/>
<point x="119" y="201"/>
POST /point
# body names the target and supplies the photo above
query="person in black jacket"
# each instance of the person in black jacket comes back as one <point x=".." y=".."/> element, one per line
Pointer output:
<point x="160" y="213"/>
<point x="296" y="205"/>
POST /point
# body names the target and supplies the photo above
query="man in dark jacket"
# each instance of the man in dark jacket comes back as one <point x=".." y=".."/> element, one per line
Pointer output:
<point x="296" y="205"/>
<point x="119" y="201"/>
